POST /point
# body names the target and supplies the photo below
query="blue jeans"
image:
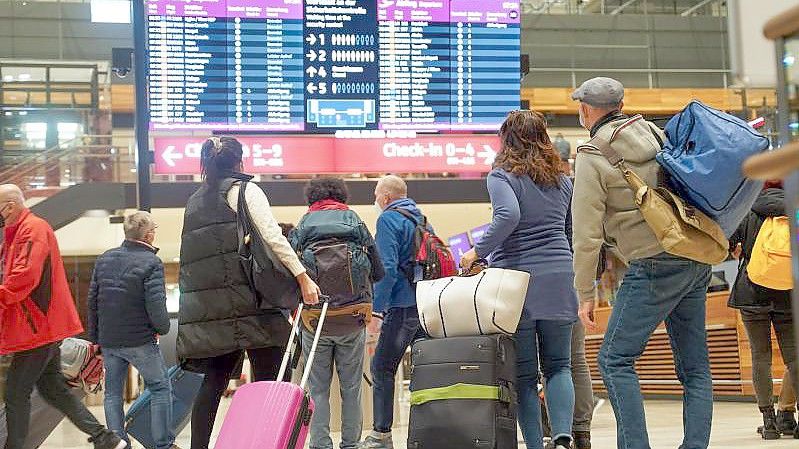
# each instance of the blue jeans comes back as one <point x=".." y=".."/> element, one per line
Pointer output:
<point x="149" y="362"/>
<point x="400" y="328"/>
<point x="550" y="342"/>
<point x="673" y="289"/>
<point x="347" y="353"/>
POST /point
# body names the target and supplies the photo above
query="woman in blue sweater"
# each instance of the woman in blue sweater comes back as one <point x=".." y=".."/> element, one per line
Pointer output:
<point x="531" y="231"/>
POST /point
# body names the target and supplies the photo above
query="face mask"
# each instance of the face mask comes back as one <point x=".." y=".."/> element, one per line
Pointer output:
<point x="3" y="217"/>
<point x="378" y="207"/>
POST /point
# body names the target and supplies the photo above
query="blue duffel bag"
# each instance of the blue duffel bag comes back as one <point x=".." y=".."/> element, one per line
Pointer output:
<point x="703" y="158"/>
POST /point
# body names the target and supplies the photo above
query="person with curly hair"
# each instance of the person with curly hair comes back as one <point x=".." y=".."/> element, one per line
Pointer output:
<point x="530" y="231"/>
<point x="340" y="253"/>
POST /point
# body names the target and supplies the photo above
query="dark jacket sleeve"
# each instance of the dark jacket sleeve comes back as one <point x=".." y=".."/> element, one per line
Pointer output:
<point x="155" y="298"/>
<point x="738" y="236"/>
<point x="93" y="287"/>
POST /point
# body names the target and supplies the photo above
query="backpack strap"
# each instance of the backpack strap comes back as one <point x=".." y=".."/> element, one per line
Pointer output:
<point x="410" y="216"/>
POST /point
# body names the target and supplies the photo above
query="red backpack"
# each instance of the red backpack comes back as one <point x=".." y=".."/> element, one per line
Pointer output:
<point x="432" y="257"/>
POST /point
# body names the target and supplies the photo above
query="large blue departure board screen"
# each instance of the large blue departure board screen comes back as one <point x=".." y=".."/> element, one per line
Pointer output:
<point x="327" y="65"/>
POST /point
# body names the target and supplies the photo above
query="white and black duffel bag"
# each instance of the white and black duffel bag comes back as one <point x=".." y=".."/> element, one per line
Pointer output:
<point x="488" y="302"/>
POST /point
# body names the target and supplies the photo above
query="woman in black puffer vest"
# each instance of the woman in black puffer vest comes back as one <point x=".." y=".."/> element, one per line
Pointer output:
<point x="219" y="319"/>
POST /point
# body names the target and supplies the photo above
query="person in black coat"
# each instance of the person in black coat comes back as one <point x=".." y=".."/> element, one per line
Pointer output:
<point x="127" y="312"/>
<point x="761" y="308"/>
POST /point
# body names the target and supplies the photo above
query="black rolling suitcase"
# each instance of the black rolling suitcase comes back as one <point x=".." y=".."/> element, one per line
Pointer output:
<point x="463" y="394"/>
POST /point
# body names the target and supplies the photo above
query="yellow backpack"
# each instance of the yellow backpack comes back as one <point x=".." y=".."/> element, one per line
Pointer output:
<point x="770" y="264"/>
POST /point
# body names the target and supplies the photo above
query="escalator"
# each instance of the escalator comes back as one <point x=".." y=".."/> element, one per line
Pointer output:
<point x="64" y="182"/>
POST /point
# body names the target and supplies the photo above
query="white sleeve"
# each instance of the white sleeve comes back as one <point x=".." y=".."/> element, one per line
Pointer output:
<point x="264" y="221"/>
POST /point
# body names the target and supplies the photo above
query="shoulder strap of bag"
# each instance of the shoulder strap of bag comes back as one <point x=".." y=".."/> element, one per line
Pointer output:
<point x="411" y="217"/>
<point x="243" y="224"/>
<point x="657" y="136"/>
<point x="603" y="146"/>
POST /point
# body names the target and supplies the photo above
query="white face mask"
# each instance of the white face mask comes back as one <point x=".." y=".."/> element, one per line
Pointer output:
<point x="378" y="207"/>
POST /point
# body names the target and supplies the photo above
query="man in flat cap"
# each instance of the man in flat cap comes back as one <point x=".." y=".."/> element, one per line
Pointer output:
<point x="658" y="286"/>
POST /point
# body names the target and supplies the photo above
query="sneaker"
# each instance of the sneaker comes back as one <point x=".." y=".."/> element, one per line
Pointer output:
<point x="377" y="440"/>
<point x="563" y="443"/>
<point x="108" y="440"/>
<point x="786" y="422"/>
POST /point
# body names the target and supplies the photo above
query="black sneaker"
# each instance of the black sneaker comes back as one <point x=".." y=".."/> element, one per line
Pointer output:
<point x="108" y="440"/>
<point x="786" y="422"/>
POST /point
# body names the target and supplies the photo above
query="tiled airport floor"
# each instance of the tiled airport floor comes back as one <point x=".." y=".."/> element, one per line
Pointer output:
<point x="734" y="427"/>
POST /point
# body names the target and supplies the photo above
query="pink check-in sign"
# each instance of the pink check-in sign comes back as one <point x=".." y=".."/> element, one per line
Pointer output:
<point x="328" y="154"/>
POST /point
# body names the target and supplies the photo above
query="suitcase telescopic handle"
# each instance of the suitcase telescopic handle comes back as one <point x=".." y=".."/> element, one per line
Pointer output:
<point x="294" y="328"/>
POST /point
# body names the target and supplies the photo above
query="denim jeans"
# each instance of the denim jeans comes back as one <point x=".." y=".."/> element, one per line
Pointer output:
<point x="400" y="328"/>
<point x="347" y="353"/>
<point x="41" y="367"/>
<point x="149" y="362"/>
<point x="661" y="288"/>
<point x="544" y="343"/>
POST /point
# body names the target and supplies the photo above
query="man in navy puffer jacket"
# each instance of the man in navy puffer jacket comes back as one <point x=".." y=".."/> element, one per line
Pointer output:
<point x="127" y="312"/>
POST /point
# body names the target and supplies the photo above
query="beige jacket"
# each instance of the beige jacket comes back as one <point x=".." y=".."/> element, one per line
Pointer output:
<point x="603" y="207"/>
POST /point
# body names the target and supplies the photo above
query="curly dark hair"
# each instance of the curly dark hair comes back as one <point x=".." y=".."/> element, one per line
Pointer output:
<point x="527" y="149"/>
<point x="218" y="156"/>
<point x="286" y="228"/>
<point x="319" y="189"/>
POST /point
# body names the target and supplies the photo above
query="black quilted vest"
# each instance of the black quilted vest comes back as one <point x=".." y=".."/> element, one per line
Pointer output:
<point x="217" y="310"/>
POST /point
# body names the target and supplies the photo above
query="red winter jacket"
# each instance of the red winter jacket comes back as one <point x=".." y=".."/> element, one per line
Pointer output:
<point x="36" y="305"/>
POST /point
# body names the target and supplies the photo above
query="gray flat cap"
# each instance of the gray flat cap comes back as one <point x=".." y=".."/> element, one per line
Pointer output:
<point x="600" y="92"/>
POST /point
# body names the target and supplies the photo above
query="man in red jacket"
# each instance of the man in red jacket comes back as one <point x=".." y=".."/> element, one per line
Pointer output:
<point x="37" y="312"/>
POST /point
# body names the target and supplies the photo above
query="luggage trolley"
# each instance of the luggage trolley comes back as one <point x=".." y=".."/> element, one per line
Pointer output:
<point x="783" y="163"/>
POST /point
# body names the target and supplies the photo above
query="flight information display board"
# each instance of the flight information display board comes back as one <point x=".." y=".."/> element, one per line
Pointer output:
<point x="320" y="66"/>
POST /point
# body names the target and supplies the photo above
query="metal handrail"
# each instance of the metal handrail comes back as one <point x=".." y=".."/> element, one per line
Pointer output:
<point x="35" y="157"/>
<point x="34" y="162"/>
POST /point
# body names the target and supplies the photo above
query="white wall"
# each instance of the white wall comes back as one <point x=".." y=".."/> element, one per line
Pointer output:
<point x="90" y="236"/>
<point x="752" y="56"/>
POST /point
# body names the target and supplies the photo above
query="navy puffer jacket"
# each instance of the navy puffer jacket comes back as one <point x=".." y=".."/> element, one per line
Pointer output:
<point x="127" y="297"/>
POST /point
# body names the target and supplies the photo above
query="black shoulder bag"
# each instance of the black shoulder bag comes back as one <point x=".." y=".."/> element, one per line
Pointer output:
<point x="272" y="284"/>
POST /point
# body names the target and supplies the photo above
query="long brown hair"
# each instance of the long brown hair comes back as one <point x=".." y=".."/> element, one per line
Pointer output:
<point x="527" y="149"/>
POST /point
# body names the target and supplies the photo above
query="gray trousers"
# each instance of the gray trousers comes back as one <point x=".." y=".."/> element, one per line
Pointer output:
<point x="581" y="376"/>
<point x="758" y="328"/>
<point x="344" y="354"/>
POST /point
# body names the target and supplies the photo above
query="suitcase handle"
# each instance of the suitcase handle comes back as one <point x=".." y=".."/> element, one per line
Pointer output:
<point x="294" y="328"/>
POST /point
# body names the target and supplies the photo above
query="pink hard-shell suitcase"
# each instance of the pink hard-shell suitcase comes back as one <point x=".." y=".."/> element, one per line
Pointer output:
<point x="272" y="415"/>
